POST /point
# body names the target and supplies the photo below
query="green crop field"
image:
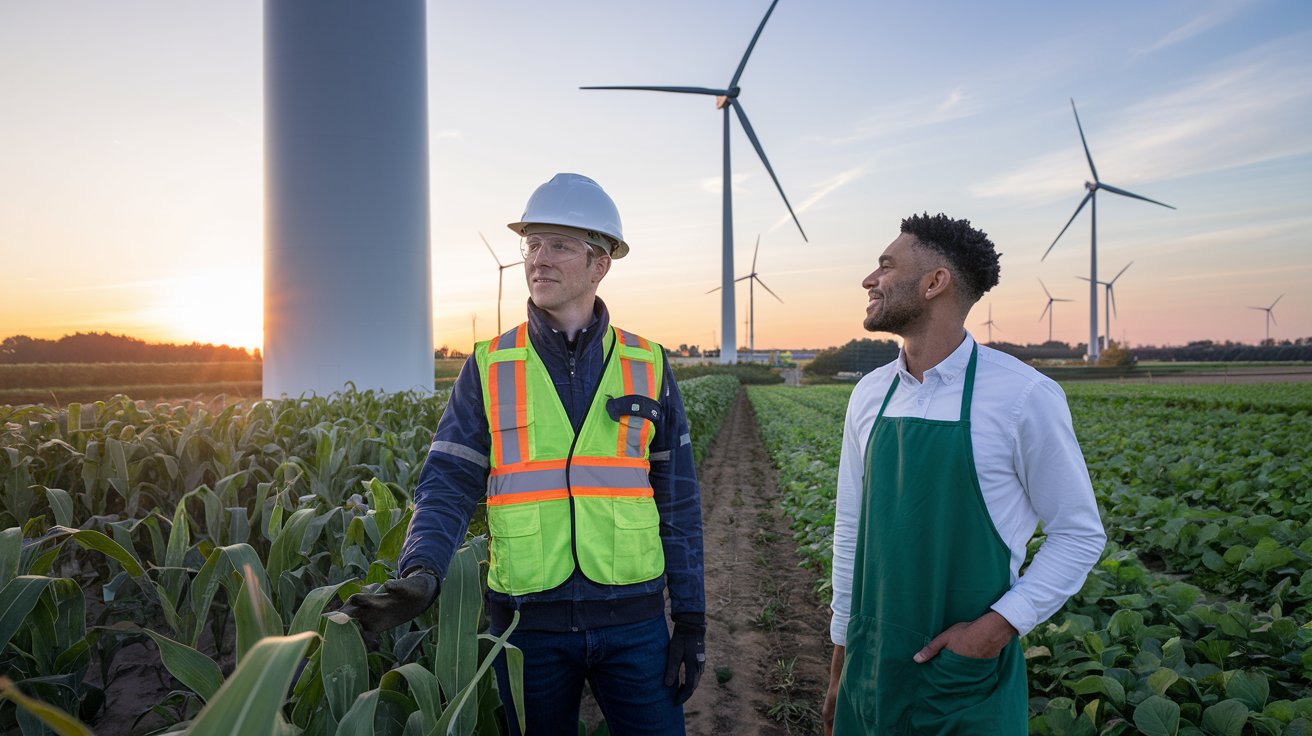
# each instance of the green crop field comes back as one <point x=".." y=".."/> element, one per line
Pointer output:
<point x="1196" y="621"/>
<point x="222" y="537"/>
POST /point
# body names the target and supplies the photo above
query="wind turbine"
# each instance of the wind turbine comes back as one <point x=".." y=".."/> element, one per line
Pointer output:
<point x="1048" y="310"/>
<point x="501" y="271"/>
<point x="1109" y="303"/>
<point x="726" y="99"/>
<point x="1270" y="315"/>
<point x="991" y="324"/>
<point x="1091" y="199"/>
<point x="751" y="298"/>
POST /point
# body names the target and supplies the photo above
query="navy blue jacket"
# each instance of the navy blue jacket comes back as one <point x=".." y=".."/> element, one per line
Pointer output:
<point x="454" y="480"/>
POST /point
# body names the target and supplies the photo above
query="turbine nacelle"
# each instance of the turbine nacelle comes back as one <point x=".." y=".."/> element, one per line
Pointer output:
<point x="1090" y="185"/>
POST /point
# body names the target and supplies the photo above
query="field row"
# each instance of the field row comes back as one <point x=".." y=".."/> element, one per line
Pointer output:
<point x="222" y="537"/>
<point x="1210" y="488"/>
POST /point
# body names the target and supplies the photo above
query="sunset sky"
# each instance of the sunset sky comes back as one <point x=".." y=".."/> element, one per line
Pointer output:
<point x="131" y="159"/>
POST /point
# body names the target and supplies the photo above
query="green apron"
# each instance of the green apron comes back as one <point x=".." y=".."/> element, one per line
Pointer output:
<point x="927" y="557"/>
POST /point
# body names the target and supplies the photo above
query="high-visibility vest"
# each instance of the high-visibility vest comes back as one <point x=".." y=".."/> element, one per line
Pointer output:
<point x="554" y="498"/>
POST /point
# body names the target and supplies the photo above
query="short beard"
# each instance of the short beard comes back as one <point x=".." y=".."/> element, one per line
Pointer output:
<point x="900" y="309"/>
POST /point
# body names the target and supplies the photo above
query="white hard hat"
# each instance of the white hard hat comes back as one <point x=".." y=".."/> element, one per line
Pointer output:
<point x="578" y="203"/>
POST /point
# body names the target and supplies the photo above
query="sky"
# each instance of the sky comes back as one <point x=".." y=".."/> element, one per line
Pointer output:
<point x="131" y="159"/>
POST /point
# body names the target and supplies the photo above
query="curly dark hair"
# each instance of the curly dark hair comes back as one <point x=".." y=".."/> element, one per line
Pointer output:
<point x="969" y="252"/>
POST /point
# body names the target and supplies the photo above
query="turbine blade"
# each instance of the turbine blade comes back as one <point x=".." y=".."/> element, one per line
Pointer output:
<point x="756" y="253"/>
<point x="489" y="250"/>
<point x="1124" y="193"/>
<point x="1118" y="273"/>
<point x="1111" y="297"/>
<point x="1083" y="142"/>
<point x="713" y="290"/>
<point x="763" y="286"/>
<point x="1045" y="310"/>
<point x="1083" y="202"/>
<point x="743" y="64"/>
<point x="1273" y="304"/>
<point x="1045" y="289"/>
<point x="512" y="265"/>
<point x="740" y="278"/>
<point x="1260" y="309"/>
<point x="682" y="90"/>
<point x="751" y="136"/>
<point x="1082" y="278"/>
<point x="1063" y="300"/>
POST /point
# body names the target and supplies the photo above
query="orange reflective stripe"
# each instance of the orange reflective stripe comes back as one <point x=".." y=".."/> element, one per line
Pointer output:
<point x="612" y="462"/>
<point x="593" y="491"/>
<point x="530" y="466"/>
<point x="513" y="498"/>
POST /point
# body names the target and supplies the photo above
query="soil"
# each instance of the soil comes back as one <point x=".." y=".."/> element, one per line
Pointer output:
<point x="767" y="639"/>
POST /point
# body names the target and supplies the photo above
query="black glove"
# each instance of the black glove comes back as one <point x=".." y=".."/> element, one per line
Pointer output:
<point x="687" y="648"/>
<point x="381" y="606"/>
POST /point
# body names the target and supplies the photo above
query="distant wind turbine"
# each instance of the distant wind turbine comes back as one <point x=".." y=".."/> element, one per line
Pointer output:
<point x="1091" y="199"/>
<point x="1048" y="310"/>
<point x="991" y="324"/>
<point x="725" y="99"/>
<point x="751" y="298"/>
<point x="501" y="271"/>
<point x="1270" y="315"/>
<point x="1109" y="301"/>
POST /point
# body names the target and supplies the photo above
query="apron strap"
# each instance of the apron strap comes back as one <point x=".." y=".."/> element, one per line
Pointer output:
<point x="968" y="390"/>
<point x="887" y="396"/>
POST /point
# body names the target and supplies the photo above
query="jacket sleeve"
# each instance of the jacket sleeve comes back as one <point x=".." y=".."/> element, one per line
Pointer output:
<point x="678" y="498"/>
<point x="453" y="480"/>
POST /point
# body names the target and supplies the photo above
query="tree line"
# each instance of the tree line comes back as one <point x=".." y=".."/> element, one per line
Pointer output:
<point x="103" y="347"/>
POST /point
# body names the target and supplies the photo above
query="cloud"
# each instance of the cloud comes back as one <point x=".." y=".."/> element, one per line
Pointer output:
<point x="1214" y="16"/>
<point x="836" y="182"/>
<point x="911" y="115"/>
<point x="1254" y="109"/>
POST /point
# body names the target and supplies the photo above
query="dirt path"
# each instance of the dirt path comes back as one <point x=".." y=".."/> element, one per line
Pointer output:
<point x="767" y="640"/>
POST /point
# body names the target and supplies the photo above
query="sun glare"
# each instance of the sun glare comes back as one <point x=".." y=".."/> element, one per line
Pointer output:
<point x="219" y="307"/>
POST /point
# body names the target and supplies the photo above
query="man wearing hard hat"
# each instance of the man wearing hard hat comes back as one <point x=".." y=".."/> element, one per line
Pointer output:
<point x="574" y="432"/>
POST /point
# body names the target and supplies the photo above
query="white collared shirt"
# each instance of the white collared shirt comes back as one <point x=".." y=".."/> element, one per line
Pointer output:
<point x="1029" y="464"/>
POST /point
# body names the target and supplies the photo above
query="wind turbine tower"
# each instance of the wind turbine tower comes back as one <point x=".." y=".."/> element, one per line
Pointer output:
<point x="1109" y="302"/>
<point x="753" y="279"/>
<point x="1091" y="199"/>
<point x="991" y="324"/>
<point x="727" y="99"/>
<point x="1048" y="310"/>
<point x="501" y="271"/>
<point x="347" y="292"/>
<point x="1270" y="315"/>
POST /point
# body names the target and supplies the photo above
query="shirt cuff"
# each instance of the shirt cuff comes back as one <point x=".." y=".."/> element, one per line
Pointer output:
<point x="1018" y="612"/>
<point x="838" y="630"/>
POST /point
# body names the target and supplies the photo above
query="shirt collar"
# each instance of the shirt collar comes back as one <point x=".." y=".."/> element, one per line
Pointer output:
<point x="949" y="368"/>
<point x="546" y="337"/>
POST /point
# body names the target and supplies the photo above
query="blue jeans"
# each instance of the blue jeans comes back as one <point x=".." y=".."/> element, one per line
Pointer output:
<point x="625" y="665"/>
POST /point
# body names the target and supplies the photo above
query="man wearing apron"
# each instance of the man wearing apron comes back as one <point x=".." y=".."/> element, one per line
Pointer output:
<point x="951" y="456"/>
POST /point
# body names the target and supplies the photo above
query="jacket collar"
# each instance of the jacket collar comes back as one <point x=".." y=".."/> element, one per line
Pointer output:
<point x="547" y="339"/>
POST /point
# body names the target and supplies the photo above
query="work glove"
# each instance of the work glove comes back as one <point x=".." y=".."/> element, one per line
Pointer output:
<point x="687" y="649"/>
<point x="381" y="606"/>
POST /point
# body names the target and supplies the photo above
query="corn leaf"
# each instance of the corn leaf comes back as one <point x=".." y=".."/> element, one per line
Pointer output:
<point x="359" y="720"/>
<point x="192" y="668"/>
<point x="460" y="606"/>
<point x="17" y="599"/>
<point x="251" y="699"/>
<point x="94" y="540"/>
<point x="343" y="663"/>
<point x="423" y="688"/>
<point x="53" y="718"/>
<point x="451" y="721"/>
<point x="255" y="614"/>
<point x="11" y="551"/>
<point x="309" y="614"/>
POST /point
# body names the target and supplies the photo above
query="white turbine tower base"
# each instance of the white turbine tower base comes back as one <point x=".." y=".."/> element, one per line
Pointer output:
<point x="347" y="285"/>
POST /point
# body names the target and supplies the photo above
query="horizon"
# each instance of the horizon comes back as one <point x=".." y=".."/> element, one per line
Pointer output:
<point x="131" y="185"/>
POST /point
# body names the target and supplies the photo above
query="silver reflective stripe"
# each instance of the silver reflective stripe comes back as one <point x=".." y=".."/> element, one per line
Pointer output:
<point x="527" y="481"/>
<point x="505" y="402"/>
<point x="633" y="437"/>
<point x="461" y="451"/>
<point x="659" y="457"/>
<point x="596" y="476"/>
<point x="628" y="338"/>
<point x="685" y="439"/>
